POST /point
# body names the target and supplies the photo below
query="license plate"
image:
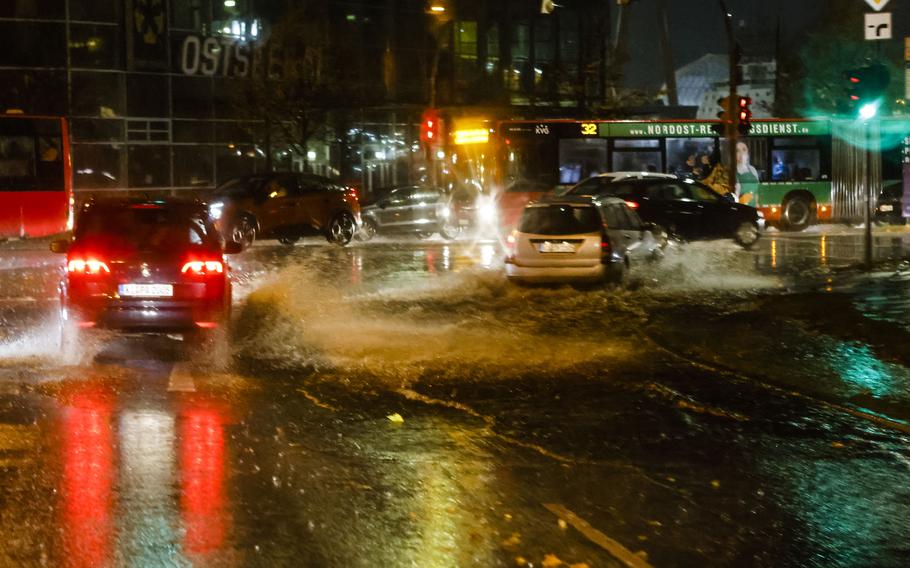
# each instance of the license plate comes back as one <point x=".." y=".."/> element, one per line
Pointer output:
<point x="547" y="246"/>
<point x="464" y="221"/>
<point x="886" y="207"/>
<point x="146" y="290"/>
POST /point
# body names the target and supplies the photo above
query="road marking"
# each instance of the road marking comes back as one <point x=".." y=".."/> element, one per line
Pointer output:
<point x="316" y="401"/>
<point x="617" y="550"/>
<point x="489" y="423"/>
<point x="181" y="380"/>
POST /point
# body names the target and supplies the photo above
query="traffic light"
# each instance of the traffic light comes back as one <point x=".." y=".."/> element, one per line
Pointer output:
<point x="725" y="116"/>
<point x="866" y="88"/>
<point x="429" y="126"/>
<point x="744" y="118"/>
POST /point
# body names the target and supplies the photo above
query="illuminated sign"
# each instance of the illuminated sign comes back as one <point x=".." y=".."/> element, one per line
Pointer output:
<point x="210" y="56"/>
<point x="687" y="129"/>
<point x="589" y="129"/>
<point x="472" y="136"/>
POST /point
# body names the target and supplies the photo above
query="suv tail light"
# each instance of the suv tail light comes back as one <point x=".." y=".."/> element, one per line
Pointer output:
<point x="605" y="249"/>
<point x="202" y="267"/>
<point x="632" y="204"/>
<point x="87" y="266"/>
<point x="511" y="242"/>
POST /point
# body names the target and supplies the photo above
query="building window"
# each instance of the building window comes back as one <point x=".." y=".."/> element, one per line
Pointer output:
<point x="520" y="76"/>
<point x="192" y="97"/>
<point x="146" y="95"/>
<point x="94" y="11"/>
<point x="149" y="166"/>
<point x="34" y="92"/>
<point x="97" y="166"/>
<point x="189" y="14"/>
<point x="32" y="44"/>
<point x="193" y="166"/>
<point x="95" y="46"/>
<point x="44" y="9"/>
<point x="97" y="94"/>
<point x="148" y="130"/>
<point x="97" y="130"/>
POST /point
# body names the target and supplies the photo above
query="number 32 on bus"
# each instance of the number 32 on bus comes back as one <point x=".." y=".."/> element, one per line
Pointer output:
<point x="36" y="193"/>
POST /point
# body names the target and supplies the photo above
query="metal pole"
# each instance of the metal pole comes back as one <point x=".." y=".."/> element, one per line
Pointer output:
<point x="867" y="214"/>
<point x="732" y="127"/>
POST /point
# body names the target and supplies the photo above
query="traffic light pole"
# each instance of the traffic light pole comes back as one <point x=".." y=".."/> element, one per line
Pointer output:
<point x="732" y="125"/>
<point x="867" y="210"/>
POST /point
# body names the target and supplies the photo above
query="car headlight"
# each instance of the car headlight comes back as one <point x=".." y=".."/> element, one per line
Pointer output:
<point x="445" y="212"/>
<point x="216" y="210"/>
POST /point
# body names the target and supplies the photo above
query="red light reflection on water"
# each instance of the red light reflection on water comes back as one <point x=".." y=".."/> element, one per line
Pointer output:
<point x="202" y="501"/>
<point x="88" y="468"/>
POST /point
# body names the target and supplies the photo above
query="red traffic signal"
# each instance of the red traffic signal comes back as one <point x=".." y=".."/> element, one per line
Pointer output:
<point x="429" y="126"/>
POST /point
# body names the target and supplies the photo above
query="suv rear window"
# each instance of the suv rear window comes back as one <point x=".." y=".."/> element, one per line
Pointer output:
<point x="145" y="227"/>
<point x="560" y="220"/>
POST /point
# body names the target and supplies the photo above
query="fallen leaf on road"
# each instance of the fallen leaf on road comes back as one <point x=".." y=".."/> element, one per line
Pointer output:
<point x="512" y="542"/>
<point x="715" y="484"/>
<point x="396" y="418"/>
<point x="838" y="445"/>
<point x="521" y="561"/>
<point x="562" y="524"/>
<point x="551" y="561"/>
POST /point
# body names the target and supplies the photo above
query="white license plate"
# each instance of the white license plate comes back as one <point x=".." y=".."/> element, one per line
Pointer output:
<point x="886" y="207"/>
<point x="547" y="246"/>
<point x="146" y="290"/>
<point x="464" y="221"/>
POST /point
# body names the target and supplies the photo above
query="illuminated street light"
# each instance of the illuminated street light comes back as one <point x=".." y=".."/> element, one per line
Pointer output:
<point x="868" y="111"/>
<point x="437" y="8"/>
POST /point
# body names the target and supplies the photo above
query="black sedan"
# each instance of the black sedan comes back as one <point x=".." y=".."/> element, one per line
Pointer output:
<point x="684" y="208"/>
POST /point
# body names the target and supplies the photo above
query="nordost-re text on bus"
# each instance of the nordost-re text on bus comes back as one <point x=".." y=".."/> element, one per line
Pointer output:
<point x="797" y="172"/>
<point x="36" y="193"/>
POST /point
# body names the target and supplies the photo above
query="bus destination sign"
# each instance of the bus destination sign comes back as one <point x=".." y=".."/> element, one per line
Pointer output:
<point x="703" y="129"/>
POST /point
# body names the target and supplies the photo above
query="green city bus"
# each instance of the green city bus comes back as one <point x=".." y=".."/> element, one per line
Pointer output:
<point x="797" y="172"/>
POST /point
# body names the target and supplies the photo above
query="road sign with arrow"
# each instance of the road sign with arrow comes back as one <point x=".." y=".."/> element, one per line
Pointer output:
<point x="877" y="5"/>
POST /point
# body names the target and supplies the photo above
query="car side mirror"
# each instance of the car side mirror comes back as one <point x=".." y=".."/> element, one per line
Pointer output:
<point x="60" y="246"/>
<point x="232" y="247"/>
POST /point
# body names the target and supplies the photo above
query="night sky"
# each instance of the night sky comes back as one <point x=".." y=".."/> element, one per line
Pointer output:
<point x="696" y="28"/>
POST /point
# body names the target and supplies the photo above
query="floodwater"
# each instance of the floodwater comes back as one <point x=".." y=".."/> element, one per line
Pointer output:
<point x="398" y="403"/>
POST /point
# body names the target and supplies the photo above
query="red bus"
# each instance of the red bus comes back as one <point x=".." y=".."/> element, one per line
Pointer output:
<point x="36" y="179"/>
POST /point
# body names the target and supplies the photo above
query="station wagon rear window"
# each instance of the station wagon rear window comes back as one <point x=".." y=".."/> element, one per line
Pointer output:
<point x="560" y="220"/>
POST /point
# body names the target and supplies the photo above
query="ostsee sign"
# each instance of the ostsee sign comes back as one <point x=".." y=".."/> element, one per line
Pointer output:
<point x="211" y="56"/>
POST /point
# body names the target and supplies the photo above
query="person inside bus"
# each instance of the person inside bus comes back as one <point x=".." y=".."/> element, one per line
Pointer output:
<point x="746" y="175"/>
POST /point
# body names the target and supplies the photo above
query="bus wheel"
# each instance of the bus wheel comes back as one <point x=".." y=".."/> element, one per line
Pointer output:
<point x="797" y="213"/>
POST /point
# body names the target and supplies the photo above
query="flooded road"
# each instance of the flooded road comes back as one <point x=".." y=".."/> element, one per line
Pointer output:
<point x="399" y="404"/>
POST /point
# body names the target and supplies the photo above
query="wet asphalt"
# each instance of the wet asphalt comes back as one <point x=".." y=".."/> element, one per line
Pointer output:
<point x="397" y="403"/>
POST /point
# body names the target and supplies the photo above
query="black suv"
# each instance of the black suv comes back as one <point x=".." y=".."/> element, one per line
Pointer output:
<point x="684" y="208"/>
<point x="285" y="206"/>
<point x="145" y="265"/>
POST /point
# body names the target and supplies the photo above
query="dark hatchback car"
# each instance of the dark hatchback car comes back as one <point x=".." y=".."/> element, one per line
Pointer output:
<point x="145" y="266"/>
<point x="419" y="211"/>
<point x="684" y="208"/>
<point x="285" y="206"/>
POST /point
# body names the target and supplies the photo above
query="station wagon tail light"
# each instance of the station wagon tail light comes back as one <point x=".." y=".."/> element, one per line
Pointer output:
<point x="203" y="267"/>
<point x="632" y="204"/>
<point x="605" y="249"/>
<point x="87" y="266"/>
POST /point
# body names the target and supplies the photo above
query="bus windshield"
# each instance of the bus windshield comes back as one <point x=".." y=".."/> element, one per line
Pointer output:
<point x="31" y="155"/>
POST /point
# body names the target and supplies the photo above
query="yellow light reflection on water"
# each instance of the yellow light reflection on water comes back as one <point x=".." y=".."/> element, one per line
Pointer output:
<point x="774" y="253"/>
<point x="823" y="252"/>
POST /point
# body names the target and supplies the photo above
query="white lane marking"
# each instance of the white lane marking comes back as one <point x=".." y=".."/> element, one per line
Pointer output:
<point x="617" y="550"/>
<point x="181" y="380"/>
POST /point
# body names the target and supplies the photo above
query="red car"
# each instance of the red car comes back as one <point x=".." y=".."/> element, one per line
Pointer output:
<point x="146" y="266"/>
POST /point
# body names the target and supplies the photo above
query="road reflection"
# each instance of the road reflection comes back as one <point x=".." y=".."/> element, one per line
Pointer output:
<point x="141" y="486"/>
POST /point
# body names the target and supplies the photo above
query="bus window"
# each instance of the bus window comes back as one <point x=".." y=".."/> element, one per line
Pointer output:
<point x="581" y="158"/>
<point x="691" y="157"/>
<point x="17" y="158"/>
<point x="795" y="164"/>
<point x="636" y="156"/>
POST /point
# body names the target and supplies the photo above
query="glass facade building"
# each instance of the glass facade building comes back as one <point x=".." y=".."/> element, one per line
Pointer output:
<point x="151" y="87"/>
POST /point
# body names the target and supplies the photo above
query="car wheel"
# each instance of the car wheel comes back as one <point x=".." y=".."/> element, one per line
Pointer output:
<point x="449" y="231"/>
<point x="288" y="241"/>
<point x="244" y="231"/>
<point x="368" y="231"/>
<point x="796" y="213"/>
<point x="747" y="234"/>
<point x="342" y="229"/>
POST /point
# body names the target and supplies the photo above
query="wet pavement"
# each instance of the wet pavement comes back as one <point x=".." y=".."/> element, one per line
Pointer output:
<point x="397" y="403"/>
